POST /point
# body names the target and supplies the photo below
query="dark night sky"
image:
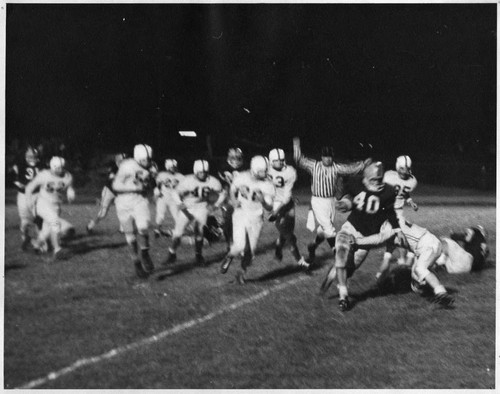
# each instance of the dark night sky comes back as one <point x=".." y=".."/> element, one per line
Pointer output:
<point x="408" y="77"/>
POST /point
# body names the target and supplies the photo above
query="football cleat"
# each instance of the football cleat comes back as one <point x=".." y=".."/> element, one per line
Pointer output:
<point x="303" y="263"/>
<point x="443" y="299"/>
<point x="62" y="254"/>
<point x="344" y="304"/>
<point x="90" y="228"/>
<point x="146" y="261"/>
<point x="172" y="257"/>
<point x="225" y="264"/>
<point x="139" y="269"/>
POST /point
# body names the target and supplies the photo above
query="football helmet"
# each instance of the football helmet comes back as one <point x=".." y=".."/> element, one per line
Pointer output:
<point x="143" y="154"/>
<point x="57" y="165"/>
<point x="200" y="169"/>
<point x="171" y="165"/>
<point x="403" y="166"/>
<point x="277" y="158"/>
<point x="373" y="176"/>
<point x="31" y="156"/>
<point x="235" y="158"/>
<point x="258" y="167"/>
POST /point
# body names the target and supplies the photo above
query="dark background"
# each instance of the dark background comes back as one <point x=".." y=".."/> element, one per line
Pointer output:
<point x="379" y="80"/>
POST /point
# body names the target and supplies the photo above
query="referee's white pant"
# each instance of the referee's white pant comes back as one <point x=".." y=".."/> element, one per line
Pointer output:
<point x="324" y="212"/>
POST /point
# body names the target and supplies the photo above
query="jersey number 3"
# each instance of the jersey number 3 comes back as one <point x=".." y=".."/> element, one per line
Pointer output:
<point x="371" y="205"/>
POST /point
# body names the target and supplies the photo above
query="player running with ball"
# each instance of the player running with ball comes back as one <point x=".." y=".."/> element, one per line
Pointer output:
<point x="251" y="193"/>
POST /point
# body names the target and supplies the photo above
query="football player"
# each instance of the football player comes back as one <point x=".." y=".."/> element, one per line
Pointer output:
<point x="404" y="182"/>
<point x="192" y="197"/>
<point x="53" y="185"/>
<point x="234" y="165"/>
<point x="25" y="172"/>
<point x="251" y="193"/>
<point x="427" y="249"/>
<point x="166" y="184"/>
<point x="133" y="185"/>
<point x="107" y="194"/>
<point x="371" y="203"/>
<point x="465" y="251"/>
<point x="283" y="213"/>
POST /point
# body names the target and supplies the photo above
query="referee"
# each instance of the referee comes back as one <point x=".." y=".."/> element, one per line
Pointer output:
<point x="325" y="175"/>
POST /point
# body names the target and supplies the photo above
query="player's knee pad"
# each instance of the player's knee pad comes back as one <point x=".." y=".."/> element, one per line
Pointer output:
<point x="419" y="273"/>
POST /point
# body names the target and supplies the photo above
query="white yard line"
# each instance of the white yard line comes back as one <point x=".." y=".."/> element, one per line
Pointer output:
<point x="155" y="338"/>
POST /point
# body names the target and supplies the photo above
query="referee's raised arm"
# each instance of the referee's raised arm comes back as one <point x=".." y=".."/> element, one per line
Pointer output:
<point x="303" y="162"/>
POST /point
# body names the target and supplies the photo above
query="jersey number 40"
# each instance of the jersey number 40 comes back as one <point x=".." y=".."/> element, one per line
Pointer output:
<point x="369" y="205"/>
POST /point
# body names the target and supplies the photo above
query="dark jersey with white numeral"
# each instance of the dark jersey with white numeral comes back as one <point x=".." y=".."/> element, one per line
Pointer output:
<point x="24" y="175"/>
<point x="473" y="242"/>
<point x="370" y="209"/>
<point x="227" y="173"/>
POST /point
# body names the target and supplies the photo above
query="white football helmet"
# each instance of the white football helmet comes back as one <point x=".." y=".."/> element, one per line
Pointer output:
<point x="373" y="176"/>
<point x="277" y="158"/>
<point x="143" y="154"/>
<point x="31" y="156"/>
<point x="258" y="167"/>
<point x="200" y="169"/>
<point x="171" y="165"/>
<point x="57" y="165"/>
<point x="403" y="166"/>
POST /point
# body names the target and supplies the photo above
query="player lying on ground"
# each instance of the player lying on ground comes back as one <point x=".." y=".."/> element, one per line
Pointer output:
<point x="107" y="194"/>
<point x="251" y="193"/>
<point x="165" y="190"/>
<point x="371" y="203"/>
<point x="325" y="175"/>
<point x="283" y="213"/>
<point x="54" y="185"/>
<point x="235" y="165"/>
<point x="133" y="185"/>
<point x="192" y="196"/>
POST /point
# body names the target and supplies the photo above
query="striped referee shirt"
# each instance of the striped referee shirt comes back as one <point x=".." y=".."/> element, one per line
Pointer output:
<point x="324" y="179"/>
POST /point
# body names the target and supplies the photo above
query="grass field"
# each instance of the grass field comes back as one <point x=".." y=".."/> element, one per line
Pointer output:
<point x="88" y="323"/>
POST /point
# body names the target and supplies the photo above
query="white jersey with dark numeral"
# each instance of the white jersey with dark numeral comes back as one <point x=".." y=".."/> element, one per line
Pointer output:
<point x="283" y="182"/>
<point x="52" y="187"/>
<point x="403" y="187"/>
<point x="131" y="173"/>
<point x="194" y="193"/>
<point x="246" y="188"/>
<point x="167" y="182"/>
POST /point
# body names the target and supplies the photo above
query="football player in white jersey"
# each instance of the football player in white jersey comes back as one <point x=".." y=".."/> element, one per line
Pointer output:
<point x="166" y="183"/>
<point x="283" y="213"/>
<point x="428" y="249"/>
<point x="405" y="183"/>
<point x="192" y="197"/>
<point x="53" y="185"/>
<point x="251" y="193"/>
<point x="133" y="185"/>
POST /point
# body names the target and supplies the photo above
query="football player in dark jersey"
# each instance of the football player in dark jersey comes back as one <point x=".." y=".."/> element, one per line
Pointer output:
<point x="25" y="171"/>
<point x="233" y="166"/>
<point x="107" y="194"/>
<point x="467" y="250"/>
<point x="371" y="203"/>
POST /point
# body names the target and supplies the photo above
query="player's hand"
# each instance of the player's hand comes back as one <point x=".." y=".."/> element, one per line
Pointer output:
<point x="401" y="239"/>
<point x="342" y="206"/>
<point x="70" y="194"/>
<point x="296" y="142"/>
<point x="157" y="193"/>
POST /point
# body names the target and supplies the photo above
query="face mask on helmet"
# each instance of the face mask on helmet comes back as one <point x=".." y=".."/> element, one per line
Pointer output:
<point x="143" y="154"/>
<point x="57" y="165"/>
<point x="31" y="157"/>
<point x="373" y="176"/>
<point x="235" y="158"/>
<point x="277" y="159"/>
<point x="258" y="167"/>
<point x="403" y="166"/>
